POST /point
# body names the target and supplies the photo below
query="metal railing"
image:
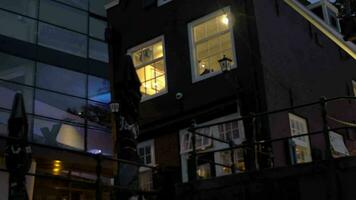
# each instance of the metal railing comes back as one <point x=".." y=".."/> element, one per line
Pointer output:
<point x="96" y="184"/>
<point x="252" y="146"/>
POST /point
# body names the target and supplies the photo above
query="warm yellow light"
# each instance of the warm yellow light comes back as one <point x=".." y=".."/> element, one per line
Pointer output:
<point x="225" y="20"/>
<point x="57" y="162"/>
<point x="56" y="169"/>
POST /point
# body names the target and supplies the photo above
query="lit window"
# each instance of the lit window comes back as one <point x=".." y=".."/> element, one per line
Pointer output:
<point x="229" y="131"/>
<point x="145" y="180"/>
<point x="211" y="38"/>
<point x="201" y="142"/>
<point x="146" y="153"/>
<point x="150" y="67"/>
<point x="239" y="162"/>
<point x="300" y="145"/>
<point x="354" y="87"/>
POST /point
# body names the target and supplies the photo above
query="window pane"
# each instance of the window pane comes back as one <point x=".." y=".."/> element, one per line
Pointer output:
<point x="100" y="141"/>
<point x="69" y="82"/>
<point x="56" y="133"/>
<point x="59" y="106"/>
<point x="97" y="28"/>
<point x="83" y="4"/>
<point x="98" y="116"/>
<point x="158" y="50"/>
<point x="211" y="51"/>
<point x="16" y="69"/>
<point x="62" y="40"/>
<point x="8" y="91"/>
<point x="17" y="26"/>
<point x="4" y="117"/>
<point x="99" y="89"/>
<point x="62" y="15"/>
<point x="97" y="7"/>
<point x="26" y="7"/>
<point x="98" y="50"/>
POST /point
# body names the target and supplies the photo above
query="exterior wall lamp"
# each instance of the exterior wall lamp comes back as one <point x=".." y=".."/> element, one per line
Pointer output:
<point x="225" y="64"/>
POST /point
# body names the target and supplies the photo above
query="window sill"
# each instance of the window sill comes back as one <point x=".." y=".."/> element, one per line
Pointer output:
<point x="147" y="98"/>
<point x="197" y="78"/>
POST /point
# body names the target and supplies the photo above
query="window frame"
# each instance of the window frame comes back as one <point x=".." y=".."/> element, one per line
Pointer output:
<point x="297" y="140"/>
<point x="143" y="145"/>
<point x="198" y="145"/>
<point x="146" y="44"/>
<point x="192" y="43"/>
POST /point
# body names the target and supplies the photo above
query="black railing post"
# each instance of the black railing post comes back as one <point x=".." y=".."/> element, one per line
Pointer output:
<point x="324" y="114"/>
<point x="98" y="177"/>
<point x="194" y="153"/>
<point x="232" y="145"/>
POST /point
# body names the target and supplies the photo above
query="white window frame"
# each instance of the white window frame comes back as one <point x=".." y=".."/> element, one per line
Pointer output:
<point x="152" y="147"/>
<point x="194" y="67"/>
<point x="143" y="45"/>
<point x="223" y="133"/>
<point x="162" y="2"/>
<point x="326" y="6"/>
<point x="201" y="146"/>
<point x="303" y="141"/>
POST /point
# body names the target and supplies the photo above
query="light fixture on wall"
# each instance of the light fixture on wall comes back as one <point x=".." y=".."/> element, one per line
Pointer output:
<point x="225" y="64"/>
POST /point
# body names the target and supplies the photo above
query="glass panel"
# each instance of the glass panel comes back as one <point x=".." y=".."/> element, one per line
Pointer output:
<point x="26" y="7"/>
<point x="4" y="117"/>
<point x="158" y="50"/>
<point x="98" y="50"/>
<point x="62" y="15"/>
<point x="16" y="69"/>
<point x="99" y="89"/>
<point x="8" y="91"/>
<point x="83" y="4"/>
<point x="97" y="7"/>
<point x="211" y="51"/>
<point x="60" y="107"/>
<point x="17" y="26"/>
<point x="98" y="115"/>
<point x="211" y="27"/>
<point x="55" y="133"/>
<point x="69" y="82"/>
<point x="62" y="40"/>
<point x="100" y="141"/>
<point x="97" y="28"/>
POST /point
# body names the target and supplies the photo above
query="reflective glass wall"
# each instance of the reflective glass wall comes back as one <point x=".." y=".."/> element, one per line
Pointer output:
<point x="65" y="108"/>
<point x="72" y="26"/>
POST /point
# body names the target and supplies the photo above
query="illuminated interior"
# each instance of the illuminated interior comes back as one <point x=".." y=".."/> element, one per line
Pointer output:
<point x="150" y="68"/>
<point x="57" y="167"/>
<point x="212" y="40"/>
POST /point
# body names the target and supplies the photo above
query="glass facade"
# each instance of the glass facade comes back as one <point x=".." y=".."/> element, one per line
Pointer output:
<point x="53" y="45"/>
<point x="68" y="111"/>
<point x="75" y="27"/>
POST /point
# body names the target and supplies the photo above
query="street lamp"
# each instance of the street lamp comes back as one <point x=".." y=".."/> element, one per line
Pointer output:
<point x="225" y="64"/>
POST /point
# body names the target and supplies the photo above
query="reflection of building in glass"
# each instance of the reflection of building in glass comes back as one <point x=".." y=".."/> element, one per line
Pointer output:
<point x="55" y="54"/>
